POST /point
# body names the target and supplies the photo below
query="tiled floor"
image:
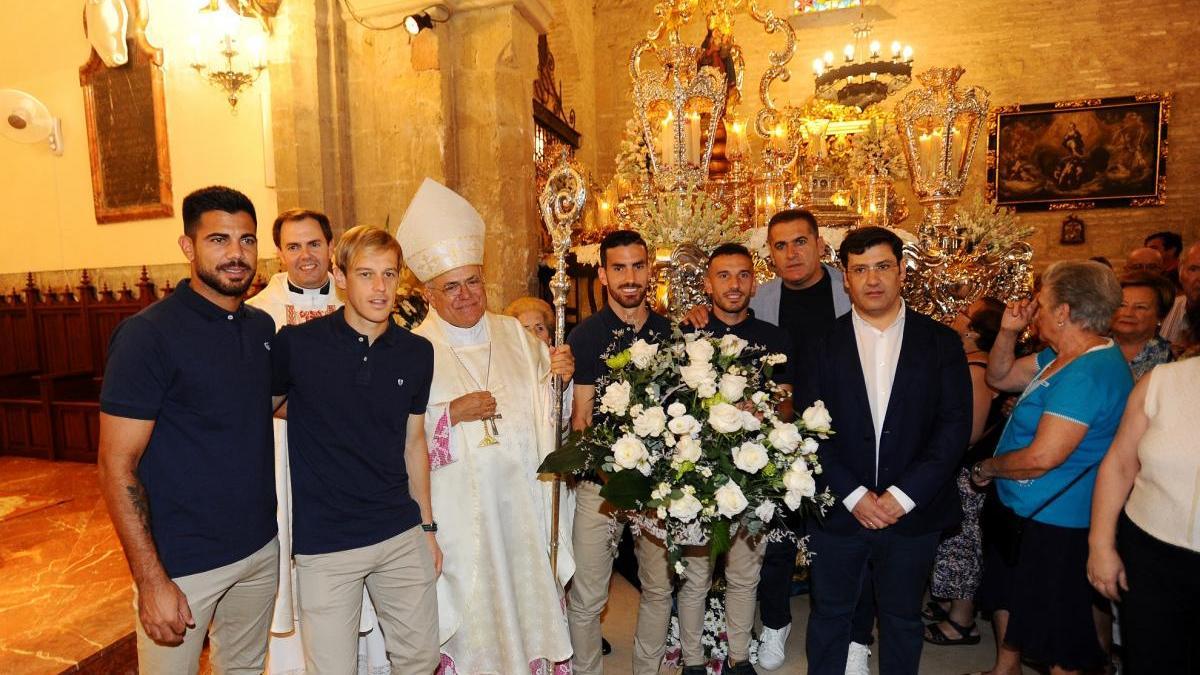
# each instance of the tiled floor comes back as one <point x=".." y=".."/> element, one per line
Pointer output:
<point x="621" y="616"/>
<point x="65" y="591"/>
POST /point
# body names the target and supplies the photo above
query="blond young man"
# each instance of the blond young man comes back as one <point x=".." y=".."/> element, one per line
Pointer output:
<point x="356" y="387"/>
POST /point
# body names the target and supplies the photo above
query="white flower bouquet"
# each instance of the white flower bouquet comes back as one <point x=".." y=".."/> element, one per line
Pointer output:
<point x="689" y="436"/>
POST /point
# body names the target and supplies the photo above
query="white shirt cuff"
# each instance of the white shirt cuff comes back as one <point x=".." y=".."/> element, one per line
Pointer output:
<point x="851" y="499"/>
<point x="907" y="503"/>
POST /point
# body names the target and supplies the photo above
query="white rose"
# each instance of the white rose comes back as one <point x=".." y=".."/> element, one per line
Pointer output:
<point x="750" y="457"/>
<point x="616" y="398"/>
<point x="759" y="397"/>
<point x="642" y="353"/>
<point x="793" y="500"/>
<point x="732" y="345"/>
<point x="799" y="479"/>
<point x="696" y="374"/>
<point x="651" y="422"/>
<point x="817" y="418"/>
<point x="684" y="426"/>
<point x="707" y="389"/>
<point x="700" y="351"/>
<point x="687" y="449"/>
<point x="784" y="437"/>
<point x="750" y="421"/>
<point x="810" y="446"/>
<point x="732" y="387"/>
<point x="725" y="418"/>
<point x="685" y="508"/>
<point x="677" y="409"/>
<point x="765" y="511"/>
<point x="730" y="500"/>
<point x="630" y="453"/>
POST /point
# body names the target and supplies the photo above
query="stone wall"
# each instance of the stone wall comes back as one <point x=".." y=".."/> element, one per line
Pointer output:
<point x="1022" y="52"/>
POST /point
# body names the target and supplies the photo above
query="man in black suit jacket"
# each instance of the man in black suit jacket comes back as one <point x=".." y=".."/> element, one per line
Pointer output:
<point x="897" y="387"/>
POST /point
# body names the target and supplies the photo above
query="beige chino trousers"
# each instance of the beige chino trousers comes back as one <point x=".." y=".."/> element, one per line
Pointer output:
<point x="233" y="605"/>
<point x="742" y="568"/>
<point x="594" y="550"/>
<point x="401" y="579"/>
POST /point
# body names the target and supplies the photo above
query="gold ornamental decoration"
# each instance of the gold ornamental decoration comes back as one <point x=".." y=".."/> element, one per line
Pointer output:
<point x="939" y="125"/>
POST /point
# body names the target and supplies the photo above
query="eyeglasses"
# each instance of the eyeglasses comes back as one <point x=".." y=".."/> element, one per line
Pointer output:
<point x="880" y="268"/>
<point x="455" y="287"/>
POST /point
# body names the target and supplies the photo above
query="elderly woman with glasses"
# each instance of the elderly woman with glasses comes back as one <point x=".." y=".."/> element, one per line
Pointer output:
<point x="1145" y="300"/>
<point x="1035" y="533"/>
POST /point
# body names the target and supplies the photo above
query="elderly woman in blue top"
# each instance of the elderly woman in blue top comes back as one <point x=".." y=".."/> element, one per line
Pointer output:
<point x="1045" y="467"/>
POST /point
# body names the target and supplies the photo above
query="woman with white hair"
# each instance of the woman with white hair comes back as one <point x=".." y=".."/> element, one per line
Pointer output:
<point x="1036" y="532"/>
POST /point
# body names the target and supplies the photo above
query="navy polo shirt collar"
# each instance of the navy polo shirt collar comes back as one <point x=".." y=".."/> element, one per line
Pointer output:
<point x="342" y="328"/>
<point x="203" y="306"/>
<point x="613" y="323"/>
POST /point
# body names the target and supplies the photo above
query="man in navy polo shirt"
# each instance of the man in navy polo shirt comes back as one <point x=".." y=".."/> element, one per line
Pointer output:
<point x="730" y="284"/>
<point x="186" y="462"/>
<point x="625" y="273"/>
<point x="357" y="386"/>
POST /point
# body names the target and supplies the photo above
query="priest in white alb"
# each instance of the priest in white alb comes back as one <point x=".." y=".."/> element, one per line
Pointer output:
<point x="489" y="426"/>
<point x="301" y="292"/>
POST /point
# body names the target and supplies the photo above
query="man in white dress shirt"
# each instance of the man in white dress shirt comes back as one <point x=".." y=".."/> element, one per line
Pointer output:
<point x="892" y="462"/>
<point x="489" y="426"/>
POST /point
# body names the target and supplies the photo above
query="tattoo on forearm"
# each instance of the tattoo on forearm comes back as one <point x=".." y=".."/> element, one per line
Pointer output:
<point x="137" y="498"/>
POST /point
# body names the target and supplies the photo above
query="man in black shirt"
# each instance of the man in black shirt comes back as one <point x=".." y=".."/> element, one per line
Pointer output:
<point x="186" y="461"/>
<point x="730" y="284"/>
<point x="625" y="273"/>
<point x="357" y="386"/>
<point x="804" y="299"/>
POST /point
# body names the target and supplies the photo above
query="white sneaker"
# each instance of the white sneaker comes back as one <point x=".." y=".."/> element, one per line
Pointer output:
<point x="772" y="645"/>
<point x="856" y="659"/>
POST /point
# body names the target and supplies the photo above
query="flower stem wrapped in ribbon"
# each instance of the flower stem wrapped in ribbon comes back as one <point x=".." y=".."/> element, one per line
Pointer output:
<point x="689" y="437"/>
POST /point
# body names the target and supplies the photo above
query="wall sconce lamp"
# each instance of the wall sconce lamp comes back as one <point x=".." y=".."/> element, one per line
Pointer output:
<point x="415" y="23"/>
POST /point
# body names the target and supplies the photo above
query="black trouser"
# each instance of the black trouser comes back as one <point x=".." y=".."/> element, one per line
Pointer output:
<point x="898" y="565"/>
<point x="775" y="591"/>
<point x="1160" y="613"/>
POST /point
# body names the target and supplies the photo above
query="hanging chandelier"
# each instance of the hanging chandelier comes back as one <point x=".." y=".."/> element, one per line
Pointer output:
<point x="863" y="76"/>
<point x="239" y="57"/>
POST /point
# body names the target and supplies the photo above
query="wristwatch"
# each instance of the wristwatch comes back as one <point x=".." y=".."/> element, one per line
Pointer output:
<point x="431" y="526"/>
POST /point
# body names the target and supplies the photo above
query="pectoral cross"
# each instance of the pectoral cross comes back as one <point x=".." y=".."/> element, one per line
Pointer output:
<point x="489" y="436"/>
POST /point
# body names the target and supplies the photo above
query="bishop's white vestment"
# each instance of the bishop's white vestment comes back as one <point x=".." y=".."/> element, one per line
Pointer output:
<point x="501" y="609"/>
<point x="290" y="305"/>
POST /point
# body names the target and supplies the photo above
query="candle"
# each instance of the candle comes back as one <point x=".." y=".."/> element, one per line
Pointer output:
<point x="666" y="141"/>
<point x="908" y="53"/>
<point x="693" y="139"/>
<point x="848" y="50"/>
<point x="604" y="214"/>
<point x="896" y="49"/>
<point x="828" y="58"/>
<point x="818" y="67"/>
<point x="875" y="49"/>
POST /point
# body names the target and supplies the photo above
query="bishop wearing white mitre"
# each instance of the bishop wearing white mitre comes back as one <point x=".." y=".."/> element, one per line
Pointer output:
<point x="301" y="292"/>
<point x="501" y="607"/>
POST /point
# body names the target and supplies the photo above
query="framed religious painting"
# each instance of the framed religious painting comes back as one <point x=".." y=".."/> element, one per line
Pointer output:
<point x="1095" y="153"/>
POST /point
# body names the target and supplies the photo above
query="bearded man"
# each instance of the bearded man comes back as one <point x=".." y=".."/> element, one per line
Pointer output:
<point x="489" y="427"/>
<point x="185" y="451"/>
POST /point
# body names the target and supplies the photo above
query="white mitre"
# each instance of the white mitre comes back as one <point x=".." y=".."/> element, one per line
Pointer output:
<point x="440" y="231"/>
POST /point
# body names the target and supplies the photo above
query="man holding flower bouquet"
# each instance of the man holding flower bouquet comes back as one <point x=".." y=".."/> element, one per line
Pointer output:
<point x="625" y="273"/>
<point x="730" y="283"/>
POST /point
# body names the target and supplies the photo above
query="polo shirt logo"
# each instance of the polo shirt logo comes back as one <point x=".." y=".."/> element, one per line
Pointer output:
<point x="267" y="344"/>
<point x="400" y="382"/>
